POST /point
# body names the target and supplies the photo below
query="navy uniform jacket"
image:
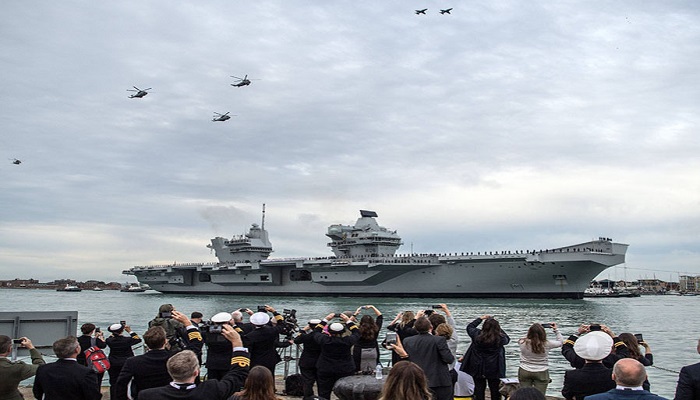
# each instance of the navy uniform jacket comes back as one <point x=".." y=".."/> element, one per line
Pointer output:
<point x="593" y="378"/>
<point x="66" y="379"/>
<point x="567" y="350"/>
<point x="310" y="353"/>
<point x="688" y="387"/>
<point x="261" y="344"/>
<point x="208" y="390"/>
<point x="147" y="371"/>
<point x="617" y="394"/>
<point x="120" y="348"/>
<point x="432" y="355"/>
<point x="336" y="356"/>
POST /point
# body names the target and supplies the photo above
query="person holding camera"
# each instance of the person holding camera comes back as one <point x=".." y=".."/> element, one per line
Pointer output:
<point x="173" y="327"/>
<point x="262" y="341"/>
<point x="619" y="348"/>
<point x="237" y="317"/>
<point x="335" y="361"/>
<point x="309" y="356"/>
<point x="13" y="372"/>
<point x="91" y="337"/>
<point x="403" y="326"/>
<point x="485" y="360"/>
<point x="119" y="351"/>
<point x="534" y="360"/>
<point x="633" y="342"/>
<point x="366" y="351"/>
<point x="218" y="348"/>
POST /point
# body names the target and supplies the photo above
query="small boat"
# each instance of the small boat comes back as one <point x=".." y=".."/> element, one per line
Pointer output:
<point x="134" y="288"/>
<point x="69" y="288"/>
<point x="96" y="289"/>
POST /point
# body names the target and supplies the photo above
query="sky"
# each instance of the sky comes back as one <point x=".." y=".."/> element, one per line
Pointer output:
<point x="504" y="125"/>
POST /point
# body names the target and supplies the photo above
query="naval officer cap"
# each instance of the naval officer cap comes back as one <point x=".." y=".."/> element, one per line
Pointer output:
<point x="221" y="318"/>
<point x="594" y="346"/>
<point x="314" y="322"/>
<point x="259" y="318"/>
<point x="336" y="327"/>
<point x="115" y="327"/>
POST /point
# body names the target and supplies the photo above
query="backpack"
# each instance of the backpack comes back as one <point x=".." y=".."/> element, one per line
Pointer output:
<point x="96" y="359"/>
<point x="294" y="385"/>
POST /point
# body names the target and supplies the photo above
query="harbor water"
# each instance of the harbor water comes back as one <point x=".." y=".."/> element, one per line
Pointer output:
<point x="668" y="323"/>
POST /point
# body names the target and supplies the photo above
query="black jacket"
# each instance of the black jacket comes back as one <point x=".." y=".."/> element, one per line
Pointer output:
<point x="432" y="355"/>
<point x="262" y="345"/>
<point x="592" y="378"/>
<point x="147" y="371"/>
<point x="311" y="352"/>
<point x="335" y="358"/>
<point x="567" y="350"/>
<point x="688" y="387"/>
<point x="66" y="379"/>
<point x="120" y="348"/>
<point x="484" y="360"/>
<point x="85" y="342"/>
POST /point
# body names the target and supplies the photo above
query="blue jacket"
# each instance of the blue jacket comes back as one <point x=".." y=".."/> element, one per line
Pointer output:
<point x="618" y="394"/>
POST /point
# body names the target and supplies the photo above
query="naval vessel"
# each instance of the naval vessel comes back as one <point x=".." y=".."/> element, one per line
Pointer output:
<point x="365" y="263"/>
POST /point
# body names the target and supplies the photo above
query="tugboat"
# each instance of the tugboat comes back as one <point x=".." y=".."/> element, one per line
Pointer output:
<point x="134" y="288"/>
<point x="69" y="288"/>
<point x="365" y="263"/>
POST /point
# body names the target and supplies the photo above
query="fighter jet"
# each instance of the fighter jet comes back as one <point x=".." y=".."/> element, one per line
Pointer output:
<point x="421" y="11"/>
<point x="446" y="11"/>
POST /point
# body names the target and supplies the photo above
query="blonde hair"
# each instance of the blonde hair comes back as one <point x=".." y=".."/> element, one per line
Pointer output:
<point x="444" y="330"/>
<point x="406" y="381"/>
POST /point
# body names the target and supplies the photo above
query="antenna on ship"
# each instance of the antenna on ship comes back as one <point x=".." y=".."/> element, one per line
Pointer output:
<point x="263" y="218"/>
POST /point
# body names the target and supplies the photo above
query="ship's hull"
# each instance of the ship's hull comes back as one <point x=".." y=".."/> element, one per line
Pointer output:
<point x="559" y="273"/>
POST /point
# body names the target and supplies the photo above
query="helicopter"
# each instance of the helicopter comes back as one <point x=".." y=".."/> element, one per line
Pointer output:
<point x="220" y="117"/>
<point x="16" y="161"/>
<point x="241" y="81"/>
<point x="421" y="11"/>
<point x="139" y="92"/>
<point x="446" y="11"/>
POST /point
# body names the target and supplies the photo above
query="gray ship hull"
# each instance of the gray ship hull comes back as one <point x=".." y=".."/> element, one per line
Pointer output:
<point x="560" y="273"/>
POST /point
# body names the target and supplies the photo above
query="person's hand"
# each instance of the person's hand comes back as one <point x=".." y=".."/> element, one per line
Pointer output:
<point x="344" y="317"/>
<point x="180" y="317"/>
<point x="553" y="325"/>
<point x="231" y="335"/>
<point x="584" y="329"/>
<point x="485" y="317"/>
<point x="330" y="316"/>
<point x="26" y="343"/>
<point x="127" y="328"/>
<point x="607" y="330"/>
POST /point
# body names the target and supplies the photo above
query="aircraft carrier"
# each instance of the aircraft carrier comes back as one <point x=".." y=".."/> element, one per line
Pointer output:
<point x="365" y="264"/>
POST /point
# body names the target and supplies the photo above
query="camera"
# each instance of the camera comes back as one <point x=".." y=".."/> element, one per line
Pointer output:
<point x="547" y="325"/>
<point x="390" y="338"/>
<point x="428" y="312"/>
<point x="123" y="323"/>
<point x="98" y="330"/>
<point x="594" y="327"/>
<point x="639" y="337"/>
<point x="289" y="323"/>
<point x="17" y="341"/>
<point x="262" y="309"/>
<point x="437" y="306"/>
<point x="243" y="309"/>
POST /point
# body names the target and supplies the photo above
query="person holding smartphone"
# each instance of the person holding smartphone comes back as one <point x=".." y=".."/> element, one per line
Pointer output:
<point x="12" y="373"/>
<point x="633" y="342"/>
<point x="534" y="359"/>
<point x="366" y="351"/>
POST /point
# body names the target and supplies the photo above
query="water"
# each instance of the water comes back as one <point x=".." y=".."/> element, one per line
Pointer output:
<point x="667" y="322"/>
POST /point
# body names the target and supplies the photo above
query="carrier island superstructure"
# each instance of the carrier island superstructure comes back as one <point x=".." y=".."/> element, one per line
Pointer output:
<point x="365" y="264"/>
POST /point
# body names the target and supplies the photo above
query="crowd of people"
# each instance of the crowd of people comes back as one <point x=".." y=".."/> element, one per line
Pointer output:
<point x="241" y="358"/>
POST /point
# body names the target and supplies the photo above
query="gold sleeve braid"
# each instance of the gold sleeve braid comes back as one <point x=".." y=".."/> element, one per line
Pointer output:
<point x="241" y="361"/>
<point x="194" y="335"/>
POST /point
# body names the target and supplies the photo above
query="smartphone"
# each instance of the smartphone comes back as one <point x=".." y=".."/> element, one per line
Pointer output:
<point x="123" y="323"/>
<point x="428" y="312"/>
<point x="98" y="330"/>
<point x="336" y="315"/>
<point x="437" y="306"/>
<point x="262" y="309"/>
<point x="547" y="325"/>
<point x="390" y="338"/>
<point x="17" y="341"/>
<point x="594" y="327"/>
<point x="243" y="309"/>
<point x="639" y="337"/>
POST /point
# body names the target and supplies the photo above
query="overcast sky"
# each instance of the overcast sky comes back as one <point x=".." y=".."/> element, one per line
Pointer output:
<point x="505" y="125"/>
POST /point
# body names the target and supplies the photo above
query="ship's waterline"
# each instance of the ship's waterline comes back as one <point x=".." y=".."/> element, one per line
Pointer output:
<point x="366" y="264"/>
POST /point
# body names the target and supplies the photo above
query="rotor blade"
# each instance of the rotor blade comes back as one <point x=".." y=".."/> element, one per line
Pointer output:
<point x="232" y="76"/>
<point x="136" y="88"/>
<point x="227" y="113"/>
<point x="147" y="89"/>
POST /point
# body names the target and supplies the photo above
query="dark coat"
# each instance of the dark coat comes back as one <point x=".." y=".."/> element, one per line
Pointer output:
<point x="208" y="390"/>
<point x="617" y="394"/>
<point x="310" y="353"/>
<point x="593" y="378"/>
<point x="120" y="348"/>
<point x="147" y="371"/>
<point x="688" y="387"/>
<point x="336" y="358"/>
<point x="261" y="344"/>
<point x="432" y="355"/>
<point x="402" y="332"/>
<point x="66" y="379"/>
<point x="367" y="344"/>
<point x="484" y="360"/>
<point x="85" y="342"/>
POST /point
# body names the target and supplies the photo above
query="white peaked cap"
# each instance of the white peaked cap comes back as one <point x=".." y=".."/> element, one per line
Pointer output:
<point x="115" y="327"/>
<point x="314" y="321"/>
<point x="259" y="318"/>
<point x="594" y="346"/>
<point x="221" y="317"/>
<point x="336" y="327"/>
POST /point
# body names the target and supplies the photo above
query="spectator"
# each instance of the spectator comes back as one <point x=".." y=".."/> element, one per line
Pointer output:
<point x="366" y="351"/>
<point x="91" y="337"/>
<point x="148" y="370"/>
<point x="119" y="351"/>
<point x="431" y="354"/>
<point x="403" y="326"/>
<point x="527" y="393"/>
<point x="632" y="344"/>
<point x="406" y="381"/>
<point x="65" y="378"/>
<point x="688" y="387"/>
<point x="593" y="377"/>
<point x="335" y="361"/>
<point x="534" y="360"/>
<point x="12" y="373"/>
<point x="259" y="385"/>
<point x="309" y="356"/>
<point x="485" y="360"/>
<point x="629" y="375"/>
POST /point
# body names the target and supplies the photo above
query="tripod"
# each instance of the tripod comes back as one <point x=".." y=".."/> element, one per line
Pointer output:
<point x="289" y="354"/>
